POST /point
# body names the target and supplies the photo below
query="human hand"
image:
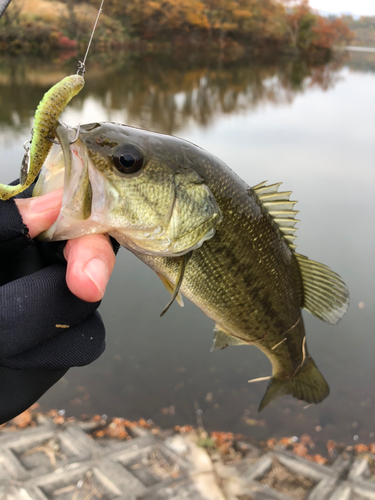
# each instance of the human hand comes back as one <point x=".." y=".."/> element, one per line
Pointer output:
<point x="45" y="327"/>
<point x="90" y="258"/>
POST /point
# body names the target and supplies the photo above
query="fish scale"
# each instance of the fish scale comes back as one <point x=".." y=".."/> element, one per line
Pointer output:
<point x="227" y="281"/>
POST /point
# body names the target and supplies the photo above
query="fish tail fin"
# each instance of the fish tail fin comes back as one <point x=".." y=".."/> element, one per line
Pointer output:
<point x="307" y="384"/>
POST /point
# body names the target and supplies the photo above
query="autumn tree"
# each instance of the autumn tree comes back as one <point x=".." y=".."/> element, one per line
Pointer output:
<point x="363" y="30"/>
<point x="162" y="17"/>
<point x="300" y="22"/>
<point x="309" y="30"/>
<point x="251" y="20"/>
<point x="273" y="24"/>
<point x="328" y="33"/>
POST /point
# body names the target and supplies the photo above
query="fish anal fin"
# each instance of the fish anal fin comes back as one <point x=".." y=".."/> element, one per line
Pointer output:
<point x="223" y="340"/>
<point x="325" y="294"/>
<point x="170" y="287"/>
<point x="307" y="384"/>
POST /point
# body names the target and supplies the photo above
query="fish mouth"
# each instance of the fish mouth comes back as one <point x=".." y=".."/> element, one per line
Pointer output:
<point x="67" y="166"/>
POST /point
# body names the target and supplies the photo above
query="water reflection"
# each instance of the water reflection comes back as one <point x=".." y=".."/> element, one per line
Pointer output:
<point x="164" y="93"/>
<point x="321" y="147"/>
<point x="363" y="61"/>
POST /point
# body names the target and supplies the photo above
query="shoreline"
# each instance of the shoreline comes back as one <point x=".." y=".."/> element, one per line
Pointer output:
<point x="54" y="456"/>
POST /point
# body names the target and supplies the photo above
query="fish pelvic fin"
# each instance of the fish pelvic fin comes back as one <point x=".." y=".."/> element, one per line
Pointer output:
<point x="307" y="384"/>
<point x="175" y="293"/>
<point x="222" y="340"/>
<point x="170" y="287"/>
<point x="325" y="294"/>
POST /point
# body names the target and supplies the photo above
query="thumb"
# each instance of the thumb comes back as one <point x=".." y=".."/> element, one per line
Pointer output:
<point x="39" y="213"/>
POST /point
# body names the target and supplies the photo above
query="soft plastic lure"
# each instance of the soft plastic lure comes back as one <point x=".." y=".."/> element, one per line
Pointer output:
<point x="46" y="118"/>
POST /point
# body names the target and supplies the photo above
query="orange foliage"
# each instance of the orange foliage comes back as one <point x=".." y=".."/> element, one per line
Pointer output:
<point x="23" y="420"/>
<point x="223" y="441"/>
<point x="280" y="22"/>
<point x="328" y="33"/>
<point x="150" y="18"/>
<point x="361" y="448"/>
<point x="184" y="429"/>
<point x="118" y="428"/>
<point x="308" y="30"/>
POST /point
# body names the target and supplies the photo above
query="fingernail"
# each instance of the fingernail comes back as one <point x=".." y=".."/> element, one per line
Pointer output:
<point x="45" y="203"/>
<point x="97" y="271"/>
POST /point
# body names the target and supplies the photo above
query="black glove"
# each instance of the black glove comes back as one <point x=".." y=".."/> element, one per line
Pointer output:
<point x="44" y="328"/>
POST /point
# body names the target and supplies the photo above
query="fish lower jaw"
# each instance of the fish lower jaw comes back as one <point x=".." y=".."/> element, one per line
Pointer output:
<point x="142" y="243"/>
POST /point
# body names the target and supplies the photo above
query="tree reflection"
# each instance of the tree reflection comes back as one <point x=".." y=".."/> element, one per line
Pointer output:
<point x="166" y="93"/>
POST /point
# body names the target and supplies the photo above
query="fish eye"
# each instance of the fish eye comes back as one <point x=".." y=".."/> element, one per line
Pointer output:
<point x="128" y="160"/>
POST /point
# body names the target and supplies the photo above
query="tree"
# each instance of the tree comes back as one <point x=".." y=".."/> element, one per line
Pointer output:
<point x="151" y="17"/>
<point x="331" y="32"/>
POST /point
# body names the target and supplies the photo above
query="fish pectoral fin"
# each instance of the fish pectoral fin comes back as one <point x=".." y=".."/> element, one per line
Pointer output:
<point x="307" y="384"/>
<point x="180" y="276"/>
<point x="325" y="294"/>
<point x="170" y="287"/>
<point x="223" y="340"/>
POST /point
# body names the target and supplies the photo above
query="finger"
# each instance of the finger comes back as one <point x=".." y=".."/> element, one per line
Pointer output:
<point x="90" y="263"/>
<point x="39" y="213"/>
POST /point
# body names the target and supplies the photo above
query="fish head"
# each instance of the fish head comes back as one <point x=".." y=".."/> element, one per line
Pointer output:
<point x="140" y="187"/>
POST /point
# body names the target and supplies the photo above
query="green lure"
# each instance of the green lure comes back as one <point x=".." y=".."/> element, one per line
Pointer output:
<point x="46" y="117"/>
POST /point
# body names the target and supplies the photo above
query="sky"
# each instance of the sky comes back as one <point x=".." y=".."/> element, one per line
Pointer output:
<point x="357" y="7"/>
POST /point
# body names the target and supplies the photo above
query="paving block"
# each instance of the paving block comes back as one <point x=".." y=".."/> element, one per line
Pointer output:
<point x="63" y="462"/>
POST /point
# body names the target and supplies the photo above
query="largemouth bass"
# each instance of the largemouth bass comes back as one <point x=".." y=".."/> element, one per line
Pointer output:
<point x="226" y="246"/>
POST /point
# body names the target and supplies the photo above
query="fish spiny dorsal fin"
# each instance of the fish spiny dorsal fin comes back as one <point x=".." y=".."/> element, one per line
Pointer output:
<point x="325" y="294"/>
<point x="280" y="209"/>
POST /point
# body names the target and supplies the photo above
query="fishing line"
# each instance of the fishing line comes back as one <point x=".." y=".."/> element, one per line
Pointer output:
<point x="3" y="7"/>
<point x="81" y="68"/>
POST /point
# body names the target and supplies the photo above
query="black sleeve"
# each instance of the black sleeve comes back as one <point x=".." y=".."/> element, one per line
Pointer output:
<point x="44" y="328"/>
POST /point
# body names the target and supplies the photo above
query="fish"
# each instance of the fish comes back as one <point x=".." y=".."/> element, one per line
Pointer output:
<point x="228" y="247"/>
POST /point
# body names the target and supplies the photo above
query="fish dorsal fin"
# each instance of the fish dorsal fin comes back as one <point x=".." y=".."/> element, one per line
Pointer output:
<point x="280" y="208"/>
<point x="223" y="340"/>
<point x="325" y="294"/>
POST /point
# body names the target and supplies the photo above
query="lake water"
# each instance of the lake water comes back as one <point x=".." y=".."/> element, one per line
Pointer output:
<point x="311" y="128"/>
